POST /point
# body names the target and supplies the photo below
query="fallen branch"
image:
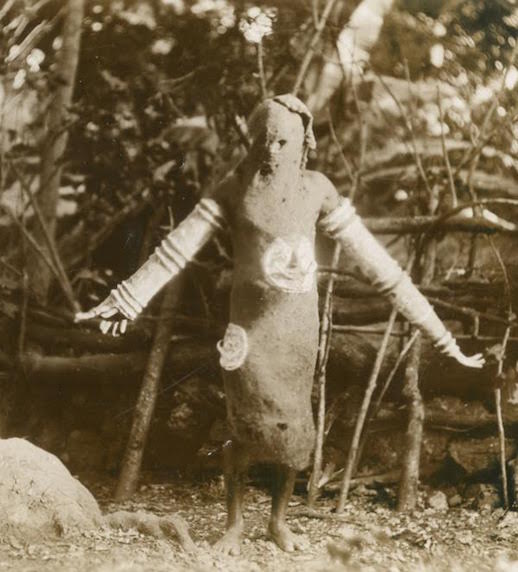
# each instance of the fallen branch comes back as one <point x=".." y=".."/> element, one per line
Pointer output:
<point x="113" y="368"/>
<point x="418" y="224"/>
<point x="168" y="527"/>
<point x="388" y="478"/>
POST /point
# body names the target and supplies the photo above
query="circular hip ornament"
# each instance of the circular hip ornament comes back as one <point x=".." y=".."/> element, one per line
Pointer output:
<point x="233" y="348"/>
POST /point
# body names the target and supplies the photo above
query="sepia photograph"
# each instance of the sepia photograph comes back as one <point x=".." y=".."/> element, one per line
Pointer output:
<point x="258" y="274"/>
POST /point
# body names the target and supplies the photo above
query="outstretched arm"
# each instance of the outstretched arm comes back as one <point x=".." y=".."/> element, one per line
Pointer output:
<point x="129" y="298"/>
<point x="340" y="222"/>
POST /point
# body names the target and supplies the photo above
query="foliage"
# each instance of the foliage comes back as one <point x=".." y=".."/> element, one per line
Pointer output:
<point x="164" y="87"/>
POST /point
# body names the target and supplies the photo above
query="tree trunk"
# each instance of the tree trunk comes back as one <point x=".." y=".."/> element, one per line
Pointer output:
<point x="148" y="394"/>
<point x="55" y="144"/>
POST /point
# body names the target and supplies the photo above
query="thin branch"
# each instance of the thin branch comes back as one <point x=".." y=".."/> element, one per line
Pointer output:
<point x="441" y="219"/>
<point x="505" y="274"/>
<point x="51" y="245"/>
<point x="260" y="66"/>
<point x="362" y="133"/>
<point x="339" y="329"/>
<point x="451" y="182"/>
<point x="501" y="358"/>
<point x="472" y="154"/>
<point x="336" y="141"/>
<point x="402" y="355"/>
<point x="308" y="56"/>
<point x="470" y="312"/>
<point x="409" y="127"/>
<point x="314" y="12"/>
<point x="37" y="248"/>
<point x="7" y="6"/>
<point x="500" y="421"/>
<point x="22" y="331"/>
<point x="418" y="160"/>
<point x="362" y="414"/>
<point x="326" y="329"/>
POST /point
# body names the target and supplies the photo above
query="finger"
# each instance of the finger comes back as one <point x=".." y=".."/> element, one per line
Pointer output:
<point x="124" y="325"/>
<point x="105" y="326"/>
<point x="115" y="330"/>
<point x="470" y="362"/>
<point x="108" y="312"/>
<point x="80" y="316"/>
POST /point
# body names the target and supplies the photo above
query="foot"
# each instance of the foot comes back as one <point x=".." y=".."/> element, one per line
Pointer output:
<point x="230" y="543"/>
<point x="286" y="539"/>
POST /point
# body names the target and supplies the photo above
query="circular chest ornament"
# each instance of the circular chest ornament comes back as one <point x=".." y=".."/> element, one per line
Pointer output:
<point x="290" y="265"/>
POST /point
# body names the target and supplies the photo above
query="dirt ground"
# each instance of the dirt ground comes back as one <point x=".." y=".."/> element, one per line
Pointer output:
<point x="369" y="536"/>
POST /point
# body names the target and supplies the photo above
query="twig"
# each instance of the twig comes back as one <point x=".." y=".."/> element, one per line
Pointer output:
<point x="25" y="292"/>
<point x="363" y="138"/>
<point x="37" y="248"/>
<point x="371" y="385"/>
<point x="418" y="160"/>
<point x="498" y="390"/>
<point x="409" y="127"/>
<point x="336" y="141"/>
<point x="339" y="329"/>
<point x="472" y="154"/>
<point x="51" y="244"/>
<point x="470" y="312"/>
<point x="393" y="371"/>
<point x="326" y="329"/>
<point x="7" y="6"/>
<point x="241" y="133"/>
<point x="308" y="56"/>
<point x="447" y="163"/>
<point x="260" y="66"/>
<point x="314" y="12"/>
<point x="500" y="421"/>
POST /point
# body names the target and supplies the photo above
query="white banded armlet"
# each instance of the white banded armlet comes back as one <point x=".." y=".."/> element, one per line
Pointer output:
<point x="384" y="273"/>
<point x="169" y="258"/>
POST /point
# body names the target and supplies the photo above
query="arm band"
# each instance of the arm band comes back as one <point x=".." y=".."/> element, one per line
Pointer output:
<point x="170" y="257"/>
<point x="380" y="269"/>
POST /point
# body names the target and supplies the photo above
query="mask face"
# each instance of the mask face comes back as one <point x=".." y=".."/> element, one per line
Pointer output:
<point x="278" y="137"/>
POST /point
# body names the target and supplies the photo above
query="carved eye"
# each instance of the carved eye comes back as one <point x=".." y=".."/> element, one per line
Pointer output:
<point x="282" y="142"/>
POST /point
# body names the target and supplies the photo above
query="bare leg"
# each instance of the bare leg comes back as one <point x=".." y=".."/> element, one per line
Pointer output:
<point x="235" y="466"/>
<point x="278" y="529"/>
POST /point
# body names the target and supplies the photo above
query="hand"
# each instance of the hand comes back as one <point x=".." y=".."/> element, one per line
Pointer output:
<point x="108" y="308"/>
<point x="476" y="361"/>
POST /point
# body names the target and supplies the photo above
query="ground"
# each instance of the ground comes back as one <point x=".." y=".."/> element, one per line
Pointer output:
<point x="369" y="536"/>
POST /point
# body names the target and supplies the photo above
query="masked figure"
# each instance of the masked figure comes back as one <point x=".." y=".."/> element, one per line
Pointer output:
<point x="273" y="206"/>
